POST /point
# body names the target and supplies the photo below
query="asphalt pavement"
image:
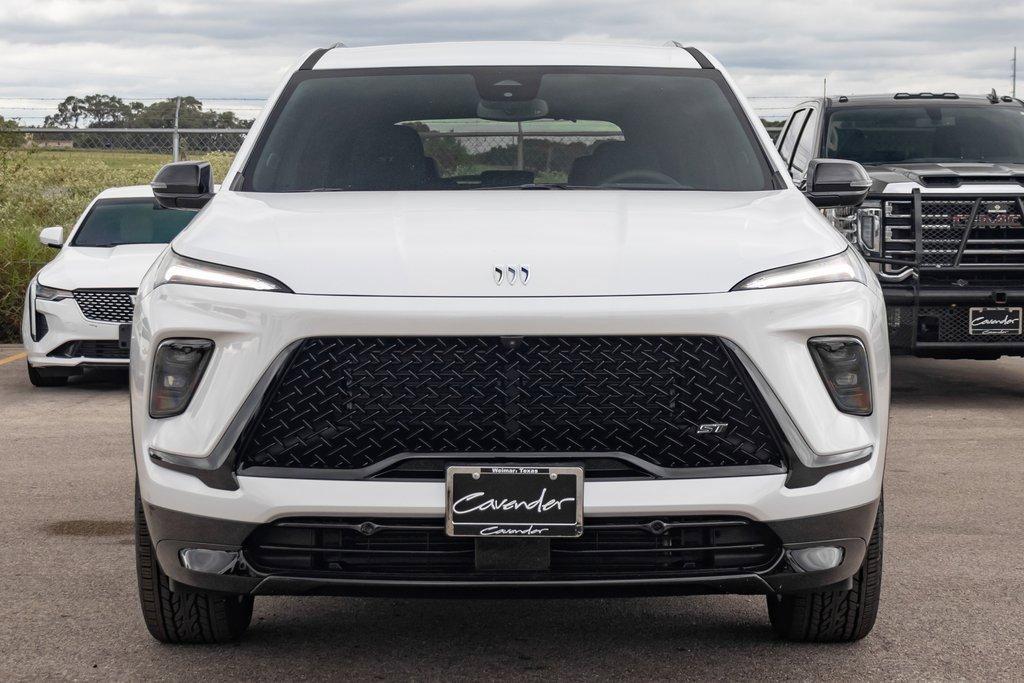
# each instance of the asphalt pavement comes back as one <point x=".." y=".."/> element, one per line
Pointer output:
<point x="952" y="601"/>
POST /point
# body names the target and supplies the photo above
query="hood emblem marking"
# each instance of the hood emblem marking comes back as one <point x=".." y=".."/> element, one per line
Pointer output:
<point x="511" y="274"/>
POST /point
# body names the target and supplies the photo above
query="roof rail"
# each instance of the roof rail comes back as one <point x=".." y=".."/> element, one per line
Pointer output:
<point x="926" y="96"/>
<point x="698" y="56"/>
<point x="315" y="56"/>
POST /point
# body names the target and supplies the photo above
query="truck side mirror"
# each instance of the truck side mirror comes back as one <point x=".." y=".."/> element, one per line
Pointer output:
<point x="183" y="185"/>
<point x="52" y="237"/>
<point x="836" y="182"/>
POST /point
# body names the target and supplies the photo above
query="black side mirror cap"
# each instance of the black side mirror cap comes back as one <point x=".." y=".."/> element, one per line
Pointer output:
<point x="184" y="185"/>
<point x="836" y="182"/>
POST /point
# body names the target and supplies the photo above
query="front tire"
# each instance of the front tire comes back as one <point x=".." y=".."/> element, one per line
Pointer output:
<point x="40" y="380"/>
<point x="182" y="615"/>
<point x="834" y="615"/>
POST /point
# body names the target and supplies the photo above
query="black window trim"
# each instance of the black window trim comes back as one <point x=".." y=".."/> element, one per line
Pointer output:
<point x="812" y="109"/>
<point x="772" y="181"/>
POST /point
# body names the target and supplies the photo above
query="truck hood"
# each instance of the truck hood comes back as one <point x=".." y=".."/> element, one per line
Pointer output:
<point x="120" y="267"/>
<point x="573" y="242"/>
<point x="941" y="175"/>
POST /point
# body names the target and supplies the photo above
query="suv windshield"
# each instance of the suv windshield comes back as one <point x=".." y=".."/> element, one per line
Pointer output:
<point x="927" y="133"/>
<point x="112" y="222"/>
<point x="492" y="128"/>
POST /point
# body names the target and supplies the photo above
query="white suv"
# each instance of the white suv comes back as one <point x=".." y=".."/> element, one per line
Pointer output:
<point x="78" y="307"/>
<point x="509" y="318"/>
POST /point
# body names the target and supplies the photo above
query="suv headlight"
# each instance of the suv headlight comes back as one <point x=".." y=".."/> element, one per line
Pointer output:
<point x="843" y="267"/>
<point x="861" y="225"/>
<point x="172" y="268"/>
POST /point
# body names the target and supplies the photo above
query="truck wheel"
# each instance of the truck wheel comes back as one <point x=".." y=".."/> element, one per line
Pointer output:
<point x="834" y="615"/>
<point x="183" y="616"/>
<point x="40" y="380"/>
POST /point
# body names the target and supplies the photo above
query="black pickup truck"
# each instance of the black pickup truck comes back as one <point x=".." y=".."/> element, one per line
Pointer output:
<point x="943" y="224"/>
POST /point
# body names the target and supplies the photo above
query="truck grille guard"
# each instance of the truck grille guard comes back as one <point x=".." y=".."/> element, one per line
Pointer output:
<point x="944" y="232"/>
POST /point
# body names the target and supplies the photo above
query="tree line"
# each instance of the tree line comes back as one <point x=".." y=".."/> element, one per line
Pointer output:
<point x="110" y="111"/>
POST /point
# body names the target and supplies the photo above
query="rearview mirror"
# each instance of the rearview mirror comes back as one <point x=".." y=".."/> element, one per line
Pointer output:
<point x="836" y="182"/>
<point x="52" y="236"/>
<point x="183" y="185"/>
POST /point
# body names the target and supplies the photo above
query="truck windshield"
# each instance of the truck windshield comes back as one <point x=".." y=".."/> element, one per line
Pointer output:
<point x="507" y="127"/>
<point x="113" y="222"/>
<point x="927" y="133"/>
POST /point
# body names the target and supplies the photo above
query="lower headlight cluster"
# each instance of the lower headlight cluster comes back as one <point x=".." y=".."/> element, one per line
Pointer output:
<point x="843" y="365"/>
<point x="177" y="368"/>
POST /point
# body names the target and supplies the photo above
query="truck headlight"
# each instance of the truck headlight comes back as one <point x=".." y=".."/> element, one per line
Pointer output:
<point x="177" y="368"/>
<point x="172" y="268"/>
<point x="843" y="365"/>
<point x="861" y="225"/>
<point x="843" y="267"/>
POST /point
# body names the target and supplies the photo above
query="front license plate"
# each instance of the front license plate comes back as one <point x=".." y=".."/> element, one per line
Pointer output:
<point x="995" y="321"/>
<point x="512" y="501"/>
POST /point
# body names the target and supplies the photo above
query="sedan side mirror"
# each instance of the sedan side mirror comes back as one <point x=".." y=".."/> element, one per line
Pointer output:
<point x="52" y="236"/>
<point x="836" y="182"/>
<point x="183" y="185"/>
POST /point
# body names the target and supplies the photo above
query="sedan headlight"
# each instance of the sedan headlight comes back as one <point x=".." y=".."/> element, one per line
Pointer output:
<point x="172" y="268"/>
<point x="52" y="293"/>
<point x="844" y="267"/>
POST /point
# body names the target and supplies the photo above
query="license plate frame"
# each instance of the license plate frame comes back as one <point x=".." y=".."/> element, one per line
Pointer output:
<point x="513" y="496"/>
<point x="995" y="320"/>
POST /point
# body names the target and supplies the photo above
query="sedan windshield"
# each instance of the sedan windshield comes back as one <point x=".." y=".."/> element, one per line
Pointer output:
<point x="507" y="128"/>
<point x="113" y="222"/>
<point x="927" y="133"/>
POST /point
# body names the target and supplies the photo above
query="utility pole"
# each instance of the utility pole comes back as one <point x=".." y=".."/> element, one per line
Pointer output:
<point x="824" y="87"/>
<point x="175" y="137"/>
<point x="1013" y="86"/>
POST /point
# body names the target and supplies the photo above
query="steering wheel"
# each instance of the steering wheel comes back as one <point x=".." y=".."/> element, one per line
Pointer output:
<point x="645" y="176"/>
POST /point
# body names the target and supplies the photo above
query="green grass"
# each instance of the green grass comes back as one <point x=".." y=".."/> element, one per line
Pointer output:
<point x="43" y="188"/>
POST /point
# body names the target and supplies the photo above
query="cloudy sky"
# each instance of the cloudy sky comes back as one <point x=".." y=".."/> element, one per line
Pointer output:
<point x="236" y="50"/>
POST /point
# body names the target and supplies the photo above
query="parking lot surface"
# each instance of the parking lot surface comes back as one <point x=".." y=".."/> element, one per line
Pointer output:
<point x="953" y="592"/>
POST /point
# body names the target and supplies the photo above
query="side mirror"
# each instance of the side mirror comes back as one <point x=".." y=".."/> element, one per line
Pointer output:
<point x="836" y="182"/>
<point x="183" y="185"/>
<point x="52" y="236"/>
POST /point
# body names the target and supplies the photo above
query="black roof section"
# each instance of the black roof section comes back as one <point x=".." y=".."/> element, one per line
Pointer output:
<point x="918" y="98"/>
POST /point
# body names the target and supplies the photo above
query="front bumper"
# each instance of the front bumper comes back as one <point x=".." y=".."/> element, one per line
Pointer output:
<point x="250" y="330"/>
<point x="933" y="321"/>
<point x="64" y="324"/>
<point x="172" y="532"/>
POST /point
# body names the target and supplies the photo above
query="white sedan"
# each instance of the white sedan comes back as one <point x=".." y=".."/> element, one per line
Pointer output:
<point x="78" y="308"/>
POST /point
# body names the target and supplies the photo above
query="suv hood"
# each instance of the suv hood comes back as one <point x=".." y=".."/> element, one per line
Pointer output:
<point x="575" y="242"/>
<point x="120" y="267"/>
<point x="945" y="174"/>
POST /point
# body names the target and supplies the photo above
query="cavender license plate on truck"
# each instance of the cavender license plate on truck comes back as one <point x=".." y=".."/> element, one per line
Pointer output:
<point x="509" y="501"/>
<point x="995" y="321"/>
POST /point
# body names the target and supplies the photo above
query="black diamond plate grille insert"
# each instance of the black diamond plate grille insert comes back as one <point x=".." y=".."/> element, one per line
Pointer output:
<point x="350" y="402"/>
<point x="106" y="305"/>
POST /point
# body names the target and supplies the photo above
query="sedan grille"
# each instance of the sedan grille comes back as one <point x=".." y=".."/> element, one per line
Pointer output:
<point x="106" y="305"/>
<point x="347" y="403"/>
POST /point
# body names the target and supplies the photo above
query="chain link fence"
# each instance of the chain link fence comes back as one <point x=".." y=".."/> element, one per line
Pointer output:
<point x="178" y="144"/>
